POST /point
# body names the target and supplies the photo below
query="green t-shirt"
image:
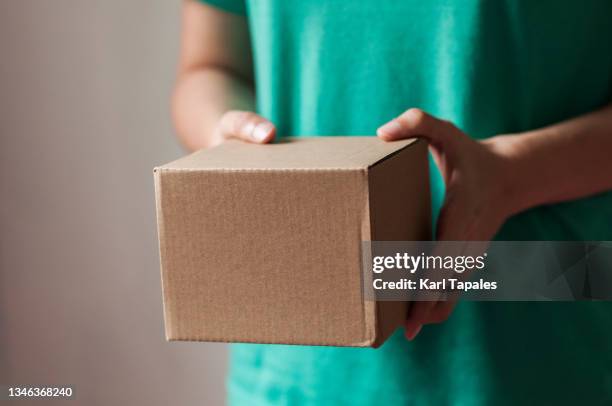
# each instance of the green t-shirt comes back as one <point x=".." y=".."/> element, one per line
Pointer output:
<point x="490" y="66"/>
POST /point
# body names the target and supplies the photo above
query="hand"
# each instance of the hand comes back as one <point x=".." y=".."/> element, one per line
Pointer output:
<point x="477" y="200"/>
<point x="246" y="126"/>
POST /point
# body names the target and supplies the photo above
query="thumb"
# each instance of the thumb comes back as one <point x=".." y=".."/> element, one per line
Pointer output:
<point x="417" y="123"/>
<point x="246" y="126"/>
<point x="443" y="137"/>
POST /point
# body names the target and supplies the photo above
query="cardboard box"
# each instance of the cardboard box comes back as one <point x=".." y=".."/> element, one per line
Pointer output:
<point x="262" y="243"/>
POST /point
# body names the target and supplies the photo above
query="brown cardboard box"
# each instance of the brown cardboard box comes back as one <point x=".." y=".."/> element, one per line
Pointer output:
<point x="262" y="243"/>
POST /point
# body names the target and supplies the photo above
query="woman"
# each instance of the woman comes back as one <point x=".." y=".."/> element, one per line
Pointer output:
<point x="513" y="97"/>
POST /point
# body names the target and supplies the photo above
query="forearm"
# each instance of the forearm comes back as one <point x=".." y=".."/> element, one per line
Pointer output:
<point x="566" y="161"/>
<point x="201" y="97"/>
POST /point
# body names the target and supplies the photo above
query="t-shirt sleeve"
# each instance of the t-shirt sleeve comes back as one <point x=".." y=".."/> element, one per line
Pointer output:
<point x="232" y="6"/>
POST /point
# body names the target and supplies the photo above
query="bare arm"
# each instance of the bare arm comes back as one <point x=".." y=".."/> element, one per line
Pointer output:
<point x="214" y="96"/>
<point x="566" y="161"/>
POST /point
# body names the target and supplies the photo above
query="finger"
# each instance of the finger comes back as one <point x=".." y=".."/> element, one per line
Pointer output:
<point x="437" y="313"/>
<point x="412" y="330"/>
<point x="426" y="311"/>
<point x="247" y="126"/>
<point x="458" y="219"/>
<point x="448" y="226"/>
<point x="419" y="312"/>
<point x="442" y="311"/>
<point x="416" y="123"/>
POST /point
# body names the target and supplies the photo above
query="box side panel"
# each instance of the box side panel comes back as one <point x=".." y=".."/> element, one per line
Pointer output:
<point x="400" y="210"/>
<point x="265" y="256"/>
<point x="161" y="237"/>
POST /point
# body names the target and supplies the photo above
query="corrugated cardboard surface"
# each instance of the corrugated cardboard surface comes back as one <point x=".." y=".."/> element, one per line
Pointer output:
<point x="263" y="243"/>
<point x="400" y="210"/>
<point x="319" y="153"/>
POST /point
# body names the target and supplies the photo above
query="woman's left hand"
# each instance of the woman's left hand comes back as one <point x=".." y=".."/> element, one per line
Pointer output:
<point x="479" y="193"/>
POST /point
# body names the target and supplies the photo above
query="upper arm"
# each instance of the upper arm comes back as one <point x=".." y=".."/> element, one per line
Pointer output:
<point x="212" y="38"/>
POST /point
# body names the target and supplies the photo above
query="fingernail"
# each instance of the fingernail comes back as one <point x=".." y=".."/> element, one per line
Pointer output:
<point x="391" y="130"/>
<point x="262" y="131"/>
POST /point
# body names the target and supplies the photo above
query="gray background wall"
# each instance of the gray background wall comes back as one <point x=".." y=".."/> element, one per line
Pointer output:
<point x="84" y="117"/>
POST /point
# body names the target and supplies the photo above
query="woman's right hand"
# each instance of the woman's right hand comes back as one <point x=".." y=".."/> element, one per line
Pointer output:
<point x="246" y="126"/>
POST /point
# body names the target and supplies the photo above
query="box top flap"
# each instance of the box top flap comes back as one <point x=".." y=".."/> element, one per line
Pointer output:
<point x="292" y="153"/>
